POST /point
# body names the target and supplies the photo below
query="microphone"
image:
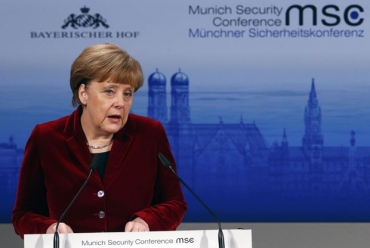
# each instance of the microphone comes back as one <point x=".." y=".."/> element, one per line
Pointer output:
<point x="94" y="164"/>
<point x="167" y="164"/>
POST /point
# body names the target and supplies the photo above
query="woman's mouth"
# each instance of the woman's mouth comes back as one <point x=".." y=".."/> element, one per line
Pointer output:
<point x="114" y="118"/>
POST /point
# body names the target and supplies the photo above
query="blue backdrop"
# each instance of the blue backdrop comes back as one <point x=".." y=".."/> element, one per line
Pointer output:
<point x="265" y="105"/>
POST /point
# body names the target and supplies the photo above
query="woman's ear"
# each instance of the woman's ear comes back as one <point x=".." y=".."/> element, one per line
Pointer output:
<point x="82" y="94"/>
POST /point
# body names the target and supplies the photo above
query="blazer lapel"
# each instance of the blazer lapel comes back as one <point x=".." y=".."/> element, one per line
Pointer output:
<point x="76" y="140"/>
<point x="80" y="151"/>
<point x="117" y="155"/>
<point x="121" y="146"/>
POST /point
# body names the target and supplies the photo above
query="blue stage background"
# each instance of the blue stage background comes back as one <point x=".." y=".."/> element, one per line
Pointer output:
<point x="268" y="121"/>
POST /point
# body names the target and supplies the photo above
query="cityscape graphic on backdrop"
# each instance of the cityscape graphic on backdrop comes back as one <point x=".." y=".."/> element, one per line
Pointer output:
<point x="232" y="167"/>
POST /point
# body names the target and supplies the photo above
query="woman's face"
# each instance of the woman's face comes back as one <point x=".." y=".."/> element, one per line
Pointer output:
<point x="106" y="106"/>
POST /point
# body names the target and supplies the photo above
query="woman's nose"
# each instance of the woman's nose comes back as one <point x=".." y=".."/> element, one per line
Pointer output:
<point x="119" y="101"/>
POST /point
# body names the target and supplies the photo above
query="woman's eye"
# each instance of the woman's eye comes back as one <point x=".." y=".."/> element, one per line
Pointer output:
<point x="128" y="94"/>
<point x="109" y="92"/>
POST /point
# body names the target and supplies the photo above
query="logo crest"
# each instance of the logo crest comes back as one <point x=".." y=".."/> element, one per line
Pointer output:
<point x="85" y="20"/>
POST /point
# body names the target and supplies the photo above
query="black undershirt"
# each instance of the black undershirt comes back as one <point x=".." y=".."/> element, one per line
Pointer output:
<point x="103" y="160"/>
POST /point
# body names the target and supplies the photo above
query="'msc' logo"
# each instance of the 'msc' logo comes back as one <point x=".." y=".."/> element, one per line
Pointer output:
<point x="85" y="20"/>
<point x="331" y="14"/>
<point x="184" y="240"/>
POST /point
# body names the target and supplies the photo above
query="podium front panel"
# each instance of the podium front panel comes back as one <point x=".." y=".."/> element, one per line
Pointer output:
<point x="234" y="238"/>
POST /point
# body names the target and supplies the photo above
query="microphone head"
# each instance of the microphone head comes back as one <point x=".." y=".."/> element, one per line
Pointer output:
<point x="95" y="162"/>
<point x="164" y="161"/>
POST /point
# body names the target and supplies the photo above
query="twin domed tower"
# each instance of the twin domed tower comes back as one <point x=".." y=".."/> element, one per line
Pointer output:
<point x="157" y="104"/>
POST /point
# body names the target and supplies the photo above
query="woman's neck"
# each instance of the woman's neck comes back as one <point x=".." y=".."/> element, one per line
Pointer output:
<point x="97" y="142"/>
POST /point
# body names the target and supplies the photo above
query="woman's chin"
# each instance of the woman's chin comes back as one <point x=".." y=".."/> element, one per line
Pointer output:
<point x="112" y="129"/>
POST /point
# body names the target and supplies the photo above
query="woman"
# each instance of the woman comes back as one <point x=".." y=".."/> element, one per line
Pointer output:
<point x="130" y="190"/>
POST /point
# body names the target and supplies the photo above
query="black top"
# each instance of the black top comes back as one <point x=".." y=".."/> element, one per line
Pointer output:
<point x="103" y="160"/>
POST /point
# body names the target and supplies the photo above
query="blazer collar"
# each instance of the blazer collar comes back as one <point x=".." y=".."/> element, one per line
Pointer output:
<point x="76" y="141"/>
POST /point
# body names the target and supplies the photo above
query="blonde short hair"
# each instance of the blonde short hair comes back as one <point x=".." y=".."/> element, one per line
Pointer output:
<point x="101" y="62"/>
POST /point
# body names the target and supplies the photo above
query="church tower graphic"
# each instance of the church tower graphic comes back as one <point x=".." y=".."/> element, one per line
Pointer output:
<point x="313" y="141"/>
<point x="157" y="108"/>
<point x="180" y="109"/>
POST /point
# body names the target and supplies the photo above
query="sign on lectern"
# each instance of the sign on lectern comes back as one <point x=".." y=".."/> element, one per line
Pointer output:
<point x="234" y="238"/>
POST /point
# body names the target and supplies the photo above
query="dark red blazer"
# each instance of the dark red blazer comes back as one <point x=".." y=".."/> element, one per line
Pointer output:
<point x="56" y="163"/>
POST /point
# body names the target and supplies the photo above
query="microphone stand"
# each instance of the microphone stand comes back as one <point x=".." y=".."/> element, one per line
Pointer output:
<point x="94" y="164"/>
<point x="167" y="164"/>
